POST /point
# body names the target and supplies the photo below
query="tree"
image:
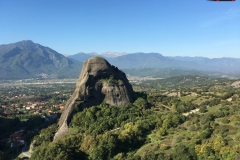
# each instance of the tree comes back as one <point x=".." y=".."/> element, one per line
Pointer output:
<point x="218" y="143"/>
<point x="203" y="109"/>
<point x="105" y="148"/>
<point x="181" y="152"/>
<point x="141" y="103"/>
<point x="161" y="132"/>
<point x="88" y="143"/>
<point x="203" y="151"/>
<point x="205" y="134"/>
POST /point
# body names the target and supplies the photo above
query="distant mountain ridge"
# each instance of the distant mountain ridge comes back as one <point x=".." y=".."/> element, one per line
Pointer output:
<point x="112" y="54"/>
<point x="216" y="66"/>
<point x="26" y="59"/>
<point x="81" y="57"/>
<point x="187" y="58"/>
<point x="144" y="60"/>
<point x="84" y="56"/>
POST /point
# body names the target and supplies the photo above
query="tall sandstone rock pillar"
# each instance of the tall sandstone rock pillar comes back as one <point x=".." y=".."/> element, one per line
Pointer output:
<point x="99" y="81"/>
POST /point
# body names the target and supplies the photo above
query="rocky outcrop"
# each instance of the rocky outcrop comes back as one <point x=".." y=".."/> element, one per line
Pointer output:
<point x="99" y="81"/>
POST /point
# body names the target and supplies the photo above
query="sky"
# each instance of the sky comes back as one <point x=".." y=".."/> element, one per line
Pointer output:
<point x="172" y="28"/>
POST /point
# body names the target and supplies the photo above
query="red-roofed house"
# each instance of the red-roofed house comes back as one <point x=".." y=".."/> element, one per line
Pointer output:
<point x="17" y="138"/>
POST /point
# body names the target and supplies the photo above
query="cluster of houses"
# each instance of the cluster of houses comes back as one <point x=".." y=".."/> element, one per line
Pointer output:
<point x="17" y="138"/>
<point x="34" y="107"/>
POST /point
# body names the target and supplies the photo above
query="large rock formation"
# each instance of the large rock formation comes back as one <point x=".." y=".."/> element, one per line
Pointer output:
<point x="99" y="81"/>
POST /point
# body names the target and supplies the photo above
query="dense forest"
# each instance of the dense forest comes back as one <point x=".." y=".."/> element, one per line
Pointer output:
<point x="183" y="117"/>
<point x="200" y="122"/>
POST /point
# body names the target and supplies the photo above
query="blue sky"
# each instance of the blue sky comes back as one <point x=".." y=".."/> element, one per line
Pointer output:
<point x="172" y="28"/>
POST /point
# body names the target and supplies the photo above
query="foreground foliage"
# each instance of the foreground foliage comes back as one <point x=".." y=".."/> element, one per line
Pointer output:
<point x="138" y="131"/>
<point x="197" y="122"/>
<point x="103" y="132"/>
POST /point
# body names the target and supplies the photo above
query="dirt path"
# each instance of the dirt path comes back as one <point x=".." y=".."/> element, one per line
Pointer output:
<point x="190" y="112"/>
<point x="115" y="129"/>
<point x="166" y="107"/>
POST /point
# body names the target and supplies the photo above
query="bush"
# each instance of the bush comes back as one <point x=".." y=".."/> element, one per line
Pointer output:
<point x="225" y="120"/>
<point x="203" y="109"/>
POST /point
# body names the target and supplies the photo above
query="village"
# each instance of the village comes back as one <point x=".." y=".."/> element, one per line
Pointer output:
<point x="19" y="100"/>
<point x="31" y="108"/>
<point x="26" y="109"/>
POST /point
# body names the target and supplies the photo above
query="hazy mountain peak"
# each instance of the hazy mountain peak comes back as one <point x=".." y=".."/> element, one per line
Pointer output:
<point x="26" y="59"/>
<point x="81" y="56"/>
<point x="151" y="53"/>
<point x="25" y="43"/>
<point x="85" y="54"/>
<point x="113" y="54"/>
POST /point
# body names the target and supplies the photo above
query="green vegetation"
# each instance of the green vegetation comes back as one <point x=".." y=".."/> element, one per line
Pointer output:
<point x="154" y="126"/>
<point x="105" y="131"/>
<point x="201" y="121"/>
<point x="112" y="79"/>
<point x="161" y="73"/>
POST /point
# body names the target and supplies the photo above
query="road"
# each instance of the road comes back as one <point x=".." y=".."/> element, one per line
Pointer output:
<point x="25" y="151"/>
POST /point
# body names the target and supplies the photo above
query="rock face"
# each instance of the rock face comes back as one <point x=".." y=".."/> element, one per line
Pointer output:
<point x="99" y="81"/>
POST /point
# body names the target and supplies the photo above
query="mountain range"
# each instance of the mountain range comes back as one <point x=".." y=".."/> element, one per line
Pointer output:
<point x="84" y="56"/>
<point x="26" y="59"/>
<point x="157" y="60"/>
<point x="140" y="61"/>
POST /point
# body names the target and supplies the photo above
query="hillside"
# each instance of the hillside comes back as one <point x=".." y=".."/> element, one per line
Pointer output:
<point x="26" y="59"/>
<point x="199" y="121"/>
